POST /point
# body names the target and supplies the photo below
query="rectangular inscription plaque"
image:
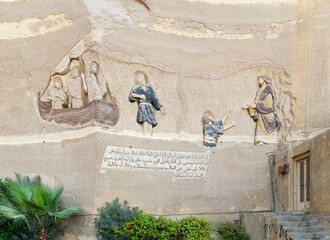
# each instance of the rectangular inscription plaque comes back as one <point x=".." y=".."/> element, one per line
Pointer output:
<point x="183" y="165"/>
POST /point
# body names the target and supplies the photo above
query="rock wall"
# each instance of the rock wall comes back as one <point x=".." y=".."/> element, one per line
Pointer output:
<point x="200" y="56"/>
<point x="204" y="45"/>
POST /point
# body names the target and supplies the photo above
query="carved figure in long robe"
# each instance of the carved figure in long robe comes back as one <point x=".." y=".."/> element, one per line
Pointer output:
<point x="55" y="94"/>
<point x="146" y="97"/>
<point x="75" y="85"/>
<point x="262" y="111"/>
<point x="212" y="130"/>
<point x="95" y="90"/>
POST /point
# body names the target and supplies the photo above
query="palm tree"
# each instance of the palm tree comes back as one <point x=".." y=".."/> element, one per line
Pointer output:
<point x="28" y="202"/>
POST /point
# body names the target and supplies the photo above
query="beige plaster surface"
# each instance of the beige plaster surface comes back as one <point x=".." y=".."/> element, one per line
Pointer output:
<point x="318" y="147"/>
<point x="199" y="56"/>
<point x="204" y="46"/>
<point x="233" y="183"/>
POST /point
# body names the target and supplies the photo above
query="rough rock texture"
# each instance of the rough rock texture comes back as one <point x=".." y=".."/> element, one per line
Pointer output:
<point x="200" y="56"/>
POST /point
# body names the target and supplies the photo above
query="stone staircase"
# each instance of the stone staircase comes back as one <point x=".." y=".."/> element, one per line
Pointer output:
<point x="300" y="225"/>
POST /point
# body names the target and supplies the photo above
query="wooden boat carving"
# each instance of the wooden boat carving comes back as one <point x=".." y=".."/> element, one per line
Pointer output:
<point x="72" y="97"/>
<point x="100" y="111"/>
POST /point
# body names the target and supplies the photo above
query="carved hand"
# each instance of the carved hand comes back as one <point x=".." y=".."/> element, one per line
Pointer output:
<point x="162" y="110"/>
<point x="143" y="97"/>
<point x="253" y="105"/>
<point x="139" y="96"/>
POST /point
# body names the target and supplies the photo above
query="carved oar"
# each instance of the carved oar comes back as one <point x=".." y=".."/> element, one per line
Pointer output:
<point x="227" y="127"/>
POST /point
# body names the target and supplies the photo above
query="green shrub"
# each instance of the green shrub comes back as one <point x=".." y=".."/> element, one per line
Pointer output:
<point x="193" y="228"/>
<point x="146" y="226"/>
<point x="113" y="215"/>
<point x="232" y="231"/>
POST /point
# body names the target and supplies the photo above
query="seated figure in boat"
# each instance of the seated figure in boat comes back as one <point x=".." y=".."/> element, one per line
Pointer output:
<point x="55" y="94"/>
<point x="96" y="89"/>
<point x="76" y="88"/>
<point x="146" y="97"/>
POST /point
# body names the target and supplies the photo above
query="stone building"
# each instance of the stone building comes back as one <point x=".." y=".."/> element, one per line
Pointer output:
<point x="264" y="65"/>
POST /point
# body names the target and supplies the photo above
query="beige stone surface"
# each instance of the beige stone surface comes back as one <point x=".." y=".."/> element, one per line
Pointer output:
<point x="234" y="182"/>
<point x="28" y="59"/>
<point x="203" y="43"/>
<point x="199" y="55"/>
<point x="318" y="148"/>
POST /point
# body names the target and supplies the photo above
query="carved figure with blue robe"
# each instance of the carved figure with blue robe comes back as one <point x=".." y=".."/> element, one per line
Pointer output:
<point x="146" y="98"/>
<point x="212" y="130"/>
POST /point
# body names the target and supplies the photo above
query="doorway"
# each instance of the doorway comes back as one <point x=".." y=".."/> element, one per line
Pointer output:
<point x="302" y="181"/>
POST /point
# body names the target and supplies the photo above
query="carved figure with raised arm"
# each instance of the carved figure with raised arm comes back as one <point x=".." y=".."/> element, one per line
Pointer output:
<point x="212" y="129"/>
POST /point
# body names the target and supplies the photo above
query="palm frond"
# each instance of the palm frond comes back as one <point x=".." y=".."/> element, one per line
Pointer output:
<point x="68" y="212"/>
<point x="56" y="194"/>
<point x="11" y="214"/>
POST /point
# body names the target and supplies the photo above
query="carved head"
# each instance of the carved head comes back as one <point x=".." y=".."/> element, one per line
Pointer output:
<point x="57" y="82"/>
<point x="94" y="67"/>
<point x="75" y="71"/>
<point x="263" y="79"/>
<point x="140" y="78"/>
<point x="207" y="119"/>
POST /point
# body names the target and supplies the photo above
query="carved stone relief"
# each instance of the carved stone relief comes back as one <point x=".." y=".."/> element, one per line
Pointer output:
<point x="78" y="93"/>
<point x="77" y="99"/>
<point x="262" y="110"/>
<point x="146" y="98"/>
<point x="231" y="87"/>
<point x="213" y="129"/>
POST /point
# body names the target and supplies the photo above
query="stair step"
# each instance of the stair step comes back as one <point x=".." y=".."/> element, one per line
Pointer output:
<point x="290" y="218"/>
<point x="307" y="223"/>
<point x="314" y="235"/>
<point x="292" y="213"/>
<point x="310" y="229"/>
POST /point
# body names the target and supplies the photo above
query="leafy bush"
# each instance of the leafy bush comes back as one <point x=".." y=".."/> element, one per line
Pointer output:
<point x="30" y="210"/>
<point x="113" y="215"/>
<point x="121" y="222"/>
<point x="195" y="228"/>
<point x="146" y="226"/>
<point x="232" y="231"/>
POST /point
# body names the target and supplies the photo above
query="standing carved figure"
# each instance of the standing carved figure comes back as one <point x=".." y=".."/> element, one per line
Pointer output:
<point x="146" y="97"/>
<point x="95" y="90"/>
<point x="212" y="129"/>
<point x="56" y="95"/>
<point x="262" y="110"/>
<point x="75" y="86"/>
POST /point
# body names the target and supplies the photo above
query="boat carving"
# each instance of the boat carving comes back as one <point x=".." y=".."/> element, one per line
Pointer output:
<point x="100" y="111"/>
<point x="72" y="98"/>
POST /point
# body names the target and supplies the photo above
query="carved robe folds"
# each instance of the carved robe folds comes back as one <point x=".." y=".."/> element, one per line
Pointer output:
<point x="94" y="91"/>
<point x="145" y="112"/>
<point x="264" y="113"/>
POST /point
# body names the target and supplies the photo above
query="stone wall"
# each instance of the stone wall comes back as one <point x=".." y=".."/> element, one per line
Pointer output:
<point x="318" y="147"/>
<point x="203" y="46"/>
<point x="199" y="56"/>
